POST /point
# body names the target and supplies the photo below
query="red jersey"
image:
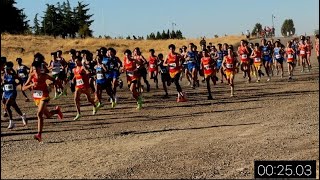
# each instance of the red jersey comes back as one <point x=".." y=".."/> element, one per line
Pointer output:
<point x="257" y="57"/>
<point x="230" y="64"/>
<point x="40" y="90"/>
<point x="153" y="64"/>
<point x="207" y="67"/>
<point x="174" y="64"/>
<point x="243" y="53"/>
<point x="289" y="52"/>
<point x="82" y="80"/>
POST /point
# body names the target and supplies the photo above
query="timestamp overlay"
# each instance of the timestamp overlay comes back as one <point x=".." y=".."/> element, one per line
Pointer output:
<point x="285" y="169"/>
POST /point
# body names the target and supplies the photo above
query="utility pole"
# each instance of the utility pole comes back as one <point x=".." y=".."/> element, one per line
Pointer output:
<point x="173" y="24"/>
<point x="274" y="34"/>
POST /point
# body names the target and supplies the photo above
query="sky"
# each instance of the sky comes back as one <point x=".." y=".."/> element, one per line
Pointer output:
<point x="195" y="18"/>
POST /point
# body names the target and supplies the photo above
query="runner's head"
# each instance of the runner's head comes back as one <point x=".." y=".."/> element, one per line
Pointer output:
<point x="59" y="53"/>
<point x="112" y="52"/>
<point x="263" y="42"/>
<point x="172" y="47"/>
<point x="256" y="46"/>
<point x="72" y="53"/>
<point x="251" y="45"/>
<point x="205" y="53"/>
<point x="190" y="46"/>
<point x="289" y="44"/>
<point x="137" y="51"/>
<point x="19" y="61"/>
<point x="127" y="53"/>
<point x="230" y="51"/>
<point x="194" y="48"/>
<point x="302" y="37"/>
<point x="53" y="55"/>
<point x="203" y="46"/>
<point x="180" y="50"/>
<point x="103" y="51"/>
<point x="38" y="57"/>
<point x="160" y="56"/>
<point x="277" y="44"/>
<point x="184" y="48"/>
<point x="151" y="51"/>
<point x="78" y="60"/>
<point x="3" y="61"/>
<point x="99" y="59"/>
<point x="225" y="46"/>
<point x="9" y="67"/>
<point x="317" y="36"/>
<point x="37" y="66"/>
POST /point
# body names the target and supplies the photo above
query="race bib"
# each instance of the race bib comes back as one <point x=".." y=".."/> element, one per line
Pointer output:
<point x="100" y="76"/>
<point x="244" y="56"/>
<point x="130" y="73"/>
<point x="290" y="56"/>
<point x="302" y="52"/>
<point x="278" y="56"/>
<point x="152" y="66"/>
<point x="79" y="82"/>
<point x="266" y="52"/>
<point x="229" y="66"/>
<point x="257" y="60"/>
<point x="8" y="87"/>
<point x="37" y="94"/>
<point x="207" y="67"/>
<point x="172" y="65"/>
<point x="164" y="70"/>
<point x="22" y="75"/>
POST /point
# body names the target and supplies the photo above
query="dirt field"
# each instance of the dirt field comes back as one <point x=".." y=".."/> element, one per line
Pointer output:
<point x="220" y="138"/>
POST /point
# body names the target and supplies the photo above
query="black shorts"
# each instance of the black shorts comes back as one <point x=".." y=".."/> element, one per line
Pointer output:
<point x="62" y="75"/>
<point x="165" y="77"/>
<point x="142" y="71"/>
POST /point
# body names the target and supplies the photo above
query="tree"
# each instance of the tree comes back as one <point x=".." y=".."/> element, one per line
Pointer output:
<point x="84" y="31"/>
<point x="288" y="28"/>
<point x="82" y="17"/>
<point x="257" y="29"/>
<point x="13" y="19"/>
<point x="179" y="34"/>
<point x="49" y="20"/>
<point x="128" y="37"/>
<point x="316" y="31"/>
<point x="36" y="27"/>
<point x="173" y="35"/>
<point x="158" y="35"/>
<point x="168" y="34"/>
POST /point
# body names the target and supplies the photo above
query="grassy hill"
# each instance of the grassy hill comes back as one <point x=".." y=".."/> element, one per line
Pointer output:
<point x="13" y="46"/>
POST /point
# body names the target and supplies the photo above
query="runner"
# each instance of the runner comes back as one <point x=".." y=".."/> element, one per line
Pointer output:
<point x="141" y="69"/>
<point x="88" y="64"/>
<point x="62" y="75"/>
<point x="10" y="93"/>
<point x="71" y="64"/>
<point x="2" y="65"/>
<point x="271" y="47"/>
<point x="101" y="83"/>
<point x="278" y="56"/>
<point x="230" y="65"/>
<point x="309" y="48"/>
<point x="219" y="58"/>
<point x="243" y="53"/>
<point x="191" y="58"/>
<point x="185" y="66"/>
<point x="266" y="58"/>
<point x="37" y="81"/>
<point x="173" y="61"/>
<point x="165" y="76"/>
<point x="299" y="42"/>
<point x="256" y="56"/>
<point x="113" y="65"/>
<point x="153" y="67"/>
<point x="303" y="53"/>
<point x="81" y="76"/>
<point x="251" y="61"/>
<point x="290" y="58"/>
<point x="23" y="73"/>
<point x="207" y="65"/>
<point x="131" y="70"/>
<point x="55" y="66"/>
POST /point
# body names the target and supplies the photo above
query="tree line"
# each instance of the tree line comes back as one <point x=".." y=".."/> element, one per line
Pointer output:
<point x="166" y="35"/>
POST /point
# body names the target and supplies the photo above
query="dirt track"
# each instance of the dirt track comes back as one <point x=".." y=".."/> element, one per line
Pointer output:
<point x="221" y="138"/>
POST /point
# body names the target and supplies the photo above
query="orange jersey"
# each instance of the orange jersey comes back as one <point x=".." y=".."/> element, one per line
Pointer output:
<point x="40" y="90"/>
<point x="243" y="53"/>
<point x="207" y="65"/>
<point x="82" y="80"/>
<point x="308" y="47"/>
<point x="131" y="69"/>
<point x="302" y="49"/>
<point x="153" y="64"/>
<point x="230" y="65"/>
<point x="289" y="52"/>
<point x="174" y="64"/>
<point x="257" y="56"/>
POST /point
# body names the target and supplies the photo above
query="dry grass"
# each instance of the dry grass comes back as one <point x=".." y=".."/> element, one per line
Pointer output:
<point x="13" y="46"/>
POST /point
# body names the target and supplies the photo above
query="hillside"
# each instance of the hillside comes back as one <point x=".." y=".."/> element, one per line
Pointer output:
<point x="13" y="46"/>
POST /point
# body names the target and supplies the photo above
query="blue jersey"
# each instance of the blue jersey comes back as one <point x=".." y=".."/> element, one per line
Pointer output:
<point x="71" y="65"/>
<point x="220" y="55"/>
<point x="277" y="53"/>
<point x="266" y="51"/>
<point x="105" y="60"/>
<point x="192" y="57"/>
<point x="23" y="72"/>
<point x="100" y="74"/>
<point x="163" y="69"/>
<point x="9" y="87"/>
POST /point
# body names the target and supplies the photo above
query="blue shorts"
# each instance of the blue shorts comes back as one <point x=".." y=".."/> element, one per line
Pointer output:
<point x="9" y="95"/>
<point x="219" y="63"/>
<point x="191" y="66"/>
<point x="185" y="66"/>
<point x="113" y="75"/>
<point x="267" y="59"/>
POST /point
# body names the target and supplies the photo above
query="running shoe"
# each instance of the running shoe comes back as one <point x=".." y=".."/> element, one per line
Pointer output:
<point x="11" y="125"/>
<point x="99" y="105"/>
<point x="5" y="114"/>
<point x="60" y="115"/>
<point x="268" y="79"/>
<point x="95" y="110"/>
<point x="139" y="103"/>
<point x="64" y="91"/>
<point x="27" y="100"/>
<point x="113" y="104"/>
<point x="24" y="119"/>
<point x="210" y="98"/>
<point x="37" y="137"/>
<point x="77" y="117"/>
<point x="148" y="88"/>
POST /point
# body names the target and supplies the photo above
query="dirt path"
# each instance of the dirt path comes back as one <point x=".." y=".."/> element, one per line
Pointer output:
<point x="276" y="120"/>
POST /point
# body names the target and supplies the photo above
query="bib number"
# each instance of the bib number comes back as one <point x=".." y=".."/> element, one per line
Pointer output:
<point x="79" y="82"/>
<point x="229" y="66"/>
<point x="257" y="60"/>
<point x="290" y="56"/>
<point x="152" y="66"/>
<point x="100" y="76"/>
<point x="8" y="87"/>
<point x="22" y="75"/>
<point x="278" y="56"/>
<point x="37" y="94"/>
<point x="302" y="52"/>
<point x="172" y="65"/>
<point x="266" y="53"/>
<point x="130" y="73"/>
<point x="164" y="70"/>
<point x="207" y="67"/>
<point x="244" y="56"/>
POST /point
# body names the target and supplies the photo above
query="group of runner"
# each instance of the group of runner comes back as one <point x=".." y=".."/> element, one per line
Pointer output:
<point x="86" y="73"/>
